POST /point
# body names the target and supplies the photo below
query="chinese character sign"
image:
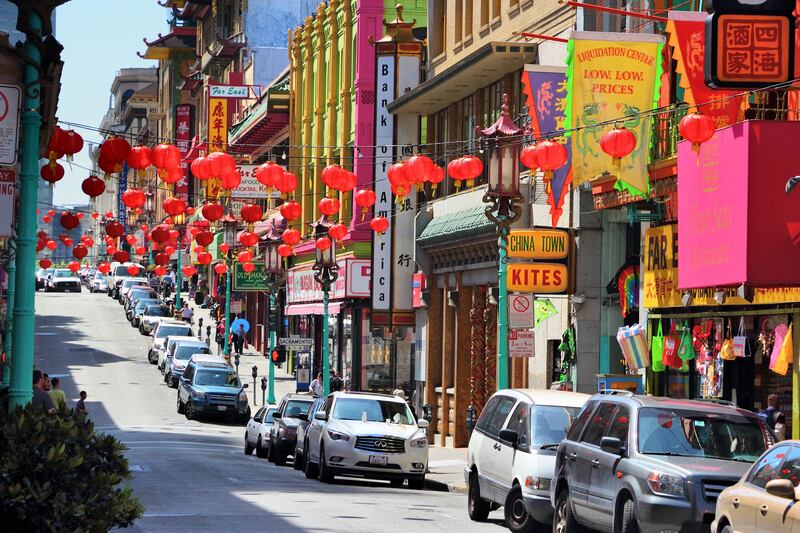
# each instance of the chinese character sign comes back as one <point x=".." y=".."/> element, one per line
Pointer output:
<point x="611" y="78"/>
<point x="217" y="124"/>
<point x="183" y="134"/>
<point x="546" y="91"/>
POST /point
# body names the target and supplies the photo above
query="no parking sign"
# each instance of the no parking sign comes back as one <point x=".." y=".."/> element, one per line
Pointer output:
<point x="520" y="311"/>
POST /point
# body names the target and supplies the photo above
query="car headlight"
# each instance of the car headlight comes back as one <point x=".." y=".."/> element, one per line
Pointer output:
<point x="537" y="483"/>
<point x="178" y="366"/>
<point x="198" y="394"/>
<point x="666" y="484"/>
<point x="421" y="442"/>
<point x="335" y="435"/>
<point x="243" y="397"/>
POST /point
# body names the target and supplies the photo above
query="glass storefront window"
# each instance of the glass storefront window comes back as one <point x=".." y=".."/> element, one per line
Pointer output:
<point x="347" y="348"/>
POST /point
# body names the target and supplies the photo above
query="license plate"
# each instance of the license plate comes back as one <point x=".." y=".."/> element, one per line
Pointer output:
<point x="221" y="408"/>
<point x="378" y="460"/>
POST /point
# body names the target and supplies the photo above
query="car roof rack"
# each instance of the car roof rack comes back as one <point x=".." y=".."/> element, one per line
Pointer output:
<point x="615" y="392"/>
<point x="718" y="401"/>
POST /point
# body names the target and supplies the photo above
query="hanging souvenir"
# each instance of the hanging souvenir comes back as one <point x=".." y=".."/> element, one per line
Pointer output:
<point x="766" y="339"/>
<point x="671" y="344"/>
<point x="726" y="352"/>
<point x="784" y="358"/>
<point x="686" y="349"/>
<point x="780" y="333"/>
<point x="633" y="342"/>
<point x="740" y="344"/>
<point x="657" y="350"/>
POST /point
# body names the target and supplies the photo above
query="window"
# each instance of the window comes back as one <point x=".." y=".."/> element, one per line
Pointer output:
<point x="485" y="13"/>
<point x="486" y="414"/>
<point x="218" y="378"/>
<point x="496" y="9"/>
<point x="766" y="469"/>
<point x="619" y="426"/>
<point x="459" y="19"/>
<point x="518" y="421"/>
<point x="498" y="416"/>
<point x="260" y="413"/>
<point x="467" y="18"/>
<point x="599" y="424"/>
<point x="549" y="423"/>
<point x="295" y="407"/>
<point x="368" y="410"/>
<point x="577" y="426"/>
<point x="791" y="468"/>
<point x="189" y="373"/>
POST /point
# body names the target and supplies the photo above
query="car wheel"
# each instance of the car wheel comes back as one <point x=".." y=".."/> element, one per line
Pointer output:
<point x="298" y="460"/>
<point x="563" y="519"/>
<point x="271" y="452"/>
<point x="280" y="458"/>
<point x="416" y="483"/>
<point x="150" y="357"/>
<point x="517" y="518"/>
<point x="180" y="406"/>
<point x="189" y="411"/>
<point x="629" y="523"/>
<point x="171" y="381"/>
<point x="248" y="450"/>
<point x="141" y="331"/>
<point x="309" y="468"/>
<point x="261" y="453"/>
<point x="477" y="508"/>
<point x="325" y="475"/>
<point x="727" y="529"/>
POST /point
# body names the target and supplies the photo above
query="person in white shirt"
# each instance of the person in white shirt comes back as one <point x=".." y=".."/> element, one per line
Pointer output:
<point x="316" y="386"/>
<point x="187" y="313"/>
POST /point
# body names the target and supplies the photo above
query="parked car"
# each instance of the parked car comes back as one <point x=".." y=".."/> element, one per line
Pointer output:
<point x="283" y="433"/>
<point x="369" y="435"/>
<point x="118" y="272"/>
<point x="302" y="426"/>
<point x="139" y="309"/>
<point x="169" y="346"/>
<point x="62" y="280"/>
<point x="210" y="388"/>
<point x="178" y="357"/>
<point x="765" y="499"/>
<point x="152" y="315"/>
<point x="164" y="329"/>
<point x="512" y="454"/>
<point x="96" y="280"/>
<point x="127" y="284"/>
<point x="41" y="277"/>
<point x="136" y="293"/>
<point x="640" y="463"/>
<point x="257" y="431"/>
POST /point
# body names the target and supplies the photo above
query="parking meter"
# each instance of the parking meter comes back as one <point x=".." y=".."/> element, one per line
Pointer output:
<point x="200" y="327"/>
<point x="254" y="372"/>
<point x="427" y="412"/>
<point x="208" y="331"/>
<point x="236" y="362"/>
<point x="263" y="389"/>
<point x="471" y="416"/>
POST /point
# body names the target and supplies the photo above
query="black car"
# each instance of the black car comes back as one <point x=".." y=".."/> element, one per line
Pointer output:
<point x="283" y="433"/>
<point x="302" y="427"/>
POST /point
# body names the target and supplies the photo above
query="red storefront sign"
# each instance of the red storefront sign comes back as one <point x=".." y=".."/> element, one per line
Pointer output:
<point x="737" y="225"/>
<point x="183" y="136"/>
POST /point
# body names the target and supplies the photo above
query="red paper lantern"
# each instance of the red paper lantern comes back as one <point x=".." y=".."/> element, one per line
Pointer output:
<point x="109" y="167"/>
<point x="379" y="224"/>
<point x="697" y="129"/>
<point x="145" y="228"/>
<point x="251" y="213"/>
<point x="139" y="158"/>
<point x="174" y="234"/>
<point x="220" y="165"/>
<point x="109" y="214"/>
<point x="40" y="243"/>
<point x="67" y="241"/>
<point x="69" y="221"/>
<point x="169" y="250"/>
<point x="550" y="156"/>
<point x="133" y="198"/>
<point x="80" y="251"/>
<point x="291" y="210"/>
<point x="190" y="210"/>
<point x="528" y="156"/>
<point x="245" y="256"/>
<point x="617" y="143"/>
<point x="398" y="179"/>
<point x="231" y="181"/>
<point x="45" y="263"/>
<point x="74" y="266"/>
<point x="166" y="156"/>
<point x="79" y="215"/>
<point x="160" y="270"/>
<point x="174" y="206"/>
<point x="291" y="237"/>
<point x="88" y="241"/>
<point x="51" y="244"/>
<point x="268" y="174"/>
<point x="365" y="198"/>
<point x="454" y="170"/>
<point x="104" y="268"/>
<point x="172" y="175"/>
<point x="188" y="271"/>
<point x="328" y="206"/>
<point x="46" y="219"/>
<point x="58" y="143"/>
<point x="160" y="234"/>
<point x="338" y="231"/>
<point x="114" y="229"/>
<point x="419" y="168"/>
<point x="161" y="258"/>
<point x="248" y="238"/>
<point x="323" y="244"/>
<point x="115" y="151"/>
<point x="220" y="268"/>
<point x="93" y="187"/>
<point x="285" y="250"/>
<point x="224" y="247"/>
<point x="51" y="212"/>
<point x="133" y="270"/>
<point x="73" y="143"/>
<point x="248" y="267"/>
<point x="199" y="168"/>
<point x="204" y="238"/>
<point x="471" y="167"/>
<point x="435" y="178"/>
<point x="52" y="172"/>
<point x="212" y="211"/>
<point x="140" y="250"/>
<point x="204" y="258"/>
<point x="131" y="239"/>
<point x="111" y="249"/>
<point x="286" y="183"/>
<point x="121" y="256"/>
<point x="96" y="215"/>
<point x="333" y="176"/>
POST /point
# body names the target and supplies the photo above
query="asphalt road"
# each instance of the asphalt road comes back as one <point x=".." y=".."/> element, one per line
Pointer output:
<point x="193" y="475"/>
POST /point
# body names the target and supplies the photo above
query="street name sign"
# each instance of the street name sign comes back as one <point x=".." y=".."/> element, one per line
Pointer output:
<point x="296" y="342"/>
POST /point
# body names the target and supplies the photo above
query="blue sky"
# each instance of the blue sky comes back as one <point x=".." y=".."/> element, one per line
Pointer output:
<point x="99" y="38"/>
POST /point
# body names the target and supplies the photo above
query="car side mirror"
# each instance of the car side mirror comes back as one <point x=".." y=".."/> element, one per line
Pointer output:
<point x="245" y="385"/>
<point x="320" y="415"/>
<point x="303" y="417"/>
<point x="276" y="416"/>
<point x="782" y="488"/>
<point x="510" y="436"/>
<point x="256" y="419"/>
<point x="611" y="445"/>
<point x="423" y="424"/>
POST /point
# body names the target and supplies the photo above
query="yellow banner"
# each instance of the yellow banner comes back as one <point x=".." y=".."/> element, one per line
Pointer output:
<point x="217" y="124"/>
<point x="612" y="78"/>
<point x="660" y="278"/>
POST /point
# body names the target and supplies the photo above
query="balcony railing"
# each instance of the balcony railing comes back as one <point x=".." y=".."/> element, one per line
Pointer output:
<point x="665" y="135"/>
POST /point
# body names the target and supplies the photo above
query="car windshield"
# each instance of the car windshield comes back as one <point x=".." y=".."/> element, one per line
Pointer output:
<point x="370" y="410"/>
<point x="217" y="378"/>
<point x="166" y="331"/>
<point x="128" y="283"/>
<point x="122" y="270"/>
<point x="155" y="310"/>
<point x="63" y="274"/>
<point x="138" y="292"/>
<point x="185" y="351"/>
<point x="295" y="407"/>
<point x="270" y="416"/>
<point x="688" y="433"/>
<point x="549" y="423"/>
<point x="144" y="303"/>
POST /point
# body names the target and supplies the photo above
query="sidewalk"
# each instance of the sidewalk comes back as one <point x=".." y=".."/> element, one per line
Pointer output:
<point x="446" y="469"/>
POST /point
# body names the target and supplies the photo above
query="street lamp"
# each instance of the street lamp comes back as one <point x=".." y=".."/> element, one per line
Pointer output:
<point x="229" y="225"/>
<point x="149" y="210"/>
<point x="273" y="267"/>
<point x="501" y="195"/>
<point x="325" y="273"/>
<point x="178" y="222"/>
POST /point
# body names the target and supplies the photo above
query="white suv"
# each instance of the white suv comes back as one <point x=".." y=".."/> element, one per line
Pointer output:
<point x="512" y="454"/>
<point x="368" y="435"/>
<point x="164" y="329"/>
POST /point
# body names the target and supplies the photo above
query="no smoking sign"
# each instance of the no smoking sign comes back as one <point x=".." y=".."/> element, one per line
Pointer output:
<point x="520" y="311"/>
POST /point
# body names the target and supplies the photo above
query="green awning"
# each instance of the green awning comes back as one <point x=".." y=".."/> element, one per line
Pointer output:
<point x="465" y="224"/>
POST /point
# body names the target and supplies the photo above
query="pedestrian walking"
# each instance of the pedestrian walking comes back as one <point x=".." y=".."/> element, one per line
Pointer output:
<point x="46" y="383"/>
<point x="220" y="336"/>
<point x="316" y="386"/>
<point x="58" y="396"/>
<point x="80" y="406"/>
<point x="336" y="382"/>
<point x="187" y="312"/>
<point x="41" y="398"/>
<point x="238" y="339"/>
<point x="774" y="417"/>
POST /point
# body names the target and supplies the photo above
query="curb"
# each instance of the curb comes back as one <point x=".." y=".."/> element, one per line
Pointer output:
<point x="440" y="486"/>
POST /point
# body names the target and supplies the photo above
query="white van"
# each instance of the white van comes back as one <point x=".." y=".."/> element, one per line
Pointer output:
<point x="117" y="273"/>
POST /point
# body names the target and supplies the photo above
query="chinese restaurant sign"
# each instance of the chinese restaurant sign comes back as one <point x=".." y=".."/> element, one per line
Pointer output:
<point x="183" y="135"/>
<point x="546" y="91"/>
<point x="611" y="78"/>
<point x="736" y="223"/>
<point x="660" y="279"/>
<point x="552" y="246"/>
<point x="749" y="46"/>
<point x="250" y="188"/>
<point x="217" y="137"/>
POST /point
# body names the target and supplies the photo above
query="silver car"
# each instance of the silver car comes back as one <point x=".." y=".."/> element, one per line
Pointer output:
<point x="164" y="329"/>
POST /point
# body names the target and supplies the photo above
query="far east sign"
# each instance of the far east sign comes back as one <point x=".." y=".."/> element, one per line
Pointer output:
<point x="749" y="46"/>
<point x="548" y="252"/>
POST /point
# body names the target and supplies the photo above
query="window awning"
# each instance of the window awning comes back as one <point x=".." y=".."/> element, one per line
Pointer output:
<point x="312" y="309"/>
<point x="180" y="38"/>
<point x="484" y="66"/>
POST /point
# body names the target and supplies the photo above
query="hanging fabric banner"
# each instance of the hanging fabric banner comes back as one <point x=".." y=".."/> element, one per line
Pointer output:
<point x="687" y="31"/>
<point x="612" y="78"/>
<point x="546" y="91"/>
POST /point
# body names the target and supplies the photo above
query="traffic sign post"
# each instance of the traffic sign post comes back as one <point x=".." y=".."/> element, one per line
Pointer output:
<point x="521" y="343"/>
<point x="520" y="311"/>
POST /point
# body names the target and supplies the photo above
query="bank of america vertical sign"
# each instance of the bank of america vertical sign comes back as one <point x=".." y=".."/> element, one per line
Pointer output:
<point x="384" y="156"/>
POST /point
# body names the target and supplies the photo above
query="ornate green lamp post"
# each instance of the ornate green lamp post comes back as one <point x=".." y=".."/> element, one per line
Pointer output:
<point x="326" y="271"/>
<point x="229" y="225"/>
<point x="273" y="264"/>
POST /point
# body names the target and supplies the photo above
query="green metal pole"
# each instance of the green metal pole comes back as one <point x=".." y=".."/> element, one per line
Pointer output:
<point x="326" y="382"/>
<point x="178" y="278"/>
<point x="272" y="340"/>
<point x="227" y="349"/>
<point x="502" y="312"/>
<point x="21" y="388"/>
<point x="12" y="281"/>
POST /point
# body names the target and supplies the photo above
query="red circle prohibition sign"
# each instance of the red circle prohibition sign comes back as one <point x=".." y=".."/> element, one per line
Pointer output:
<point x="520" y="304"/>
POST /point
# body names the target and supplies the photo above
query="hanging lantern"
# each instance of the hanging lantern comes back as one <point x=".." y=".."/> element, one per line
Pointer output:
<point x="51" y="212"/>
<point x="454" y="170"/>
<point x="365" y="199"/>
<point x="93" y="187"/>
<point x="67" y="242"/>
<point x="145" y="228"/>
<point x="204" y="258"/>
<point x="174" y="234"/>
<point x="115" y="151"/>
<point x="46" y="219"/>
<point x="45" y="263"/>
<point x="104" y="268"/>
<point x="231" y="181"/>
<point x="133" y="198"/>
<point x="188" y="271"/>
<point x="161" y="258"/>
<point x="323" y="244"/>
<point x="550" y="156"/>
<point x="88" y="241"/>
<point x="224" y="247"/>
<point x="348" y="181"/>
<point x="199" y="168"/>
<point x="139" y="159"/>
<point x="617" y="143"/>
<point x="220" y="165"/>
<point x="79" y="215"/>
<point x="111" y="250"/>
<point x="204" y="238"/>
<point x="73" y="143"/>
<point x="160" y="234"/>
<point x="174" y="206"/>
<point x="74" y="266"/>
<point x="40" y="243"/>
<point x="56" y="148"/>
<point x="121" y="256"/>
<point x="328" y="206"/>
<point x="287" y="183"/>
<point x="166" y="156"/>
<point x="114" y="229"/>
<point x="108" y="167"/>
<point x="399" y="181"/>
<point x="528" y="157"/>
<point x="251" y="213"/>
<point x="268" y="174"/>
<point x="291" y="210"/>
<point x="133" y="270"/>
<point x="131" y="239"/>
<point x="435" y="178"/>
<point x="169" y="250"/>
<point x="245" y="256"/>
<point x="285" y="250"/>
<point x="140" y="250"/>
<point x="69" y="221"/>
<point x="80" y="251"/>
<point x="471" y="167"/>
<point x="212" y="211"/>
<point x="337" y="231"/>
<point x="697" y="129"/>
<point x="220" y="268"/>
<point x="248" y="238"/>
<point x="96" y="215"/>
<point x="190" y="210"/>
<point x="51" y="244"/>
<point x="419" y="168"/>
<point x="172" y="175"/>
<point x="333" y="176"/>
<point x="248" y="267"/>
<point x="379" y="224"/>
<point x="160" y="270"/>
<point x="291" y="237"/>
<point x="52" y="173"/>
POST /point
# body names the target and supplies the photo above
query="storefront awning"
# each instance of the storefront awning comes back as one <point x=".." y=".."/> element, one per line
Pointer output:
<point x="312" y="309"/>
<point x="181" y="38"/>
<point x="464" y="225"/>
<point x="484" y="66"/>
